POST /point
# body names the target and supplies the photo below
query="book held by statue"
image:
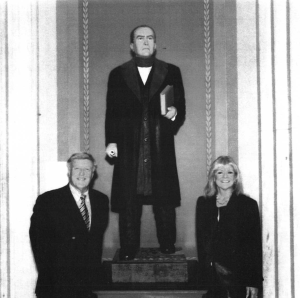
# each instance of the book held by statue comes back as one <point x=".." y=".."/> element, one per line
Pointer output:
<point x="166" y="99"/>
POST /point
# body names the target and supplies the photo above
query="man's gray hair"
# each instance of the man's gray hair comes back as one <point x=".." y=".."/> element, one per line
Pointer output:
<point x="81" y="155"/>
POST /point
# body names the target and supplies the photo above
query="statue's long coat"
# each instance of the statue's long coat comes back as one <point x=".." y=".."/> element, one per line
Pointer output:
<point x="122" y="126"/>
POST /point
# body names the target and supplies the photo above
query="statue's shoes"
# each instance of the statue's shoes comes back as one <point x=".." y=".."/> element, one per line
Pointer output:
<point x="167" y="249"/>
<point x="127" y="255"/>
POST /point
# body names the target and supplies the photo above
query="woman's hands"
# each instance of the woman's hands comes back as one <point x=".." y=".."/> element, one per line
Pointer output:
<point x="251" y="292"/>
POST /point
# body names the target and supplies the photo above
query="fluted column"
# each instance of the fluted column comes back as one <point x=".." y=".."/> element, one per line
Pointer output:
<point x="28" y="131"/>
<point x="268" y="87"/>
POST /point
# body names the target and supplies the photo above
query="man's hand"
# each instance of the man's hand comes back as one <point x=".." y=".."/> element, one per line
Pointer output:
<point x="112" y="150"/>
<point x="251" y="292"/>
<point x="172" y="112"/>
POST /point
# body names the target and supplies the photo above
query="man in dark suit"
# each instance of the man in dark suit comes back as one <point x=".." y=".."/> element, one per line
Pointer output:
<point x="66" y="233"/>
<point x="142" y="142"/>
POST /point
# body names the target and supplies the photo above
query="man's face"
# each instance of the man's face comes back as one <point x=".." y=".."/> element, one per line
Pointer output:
<point x="81" y="172"/>
<point x="143" y="44"/>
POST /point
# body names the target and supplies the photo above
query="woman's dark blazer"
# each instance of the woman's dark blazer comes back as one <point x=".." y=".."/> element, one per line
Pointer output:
<point x="66" y="253"/>
<point x="124" y="118"/>
<point x="240" y="247"/>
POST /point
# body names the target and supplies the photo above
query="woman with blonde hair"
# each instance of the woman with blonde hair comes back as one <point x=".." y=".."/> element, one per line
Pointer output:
<point x="228" y="235"/>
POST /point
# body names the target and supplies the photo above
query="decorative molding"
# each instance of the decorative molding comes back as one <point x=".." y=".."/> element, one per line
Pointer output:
<point x="86" y="91"/>
<point x="207" y="49"/>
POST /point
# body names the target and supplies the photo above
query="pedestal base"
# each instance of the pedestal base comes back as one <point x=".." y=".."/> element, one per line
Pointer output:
<point x="150" y="294"/>
<point x="190" y="288"/>
<point x="150" y="266"/>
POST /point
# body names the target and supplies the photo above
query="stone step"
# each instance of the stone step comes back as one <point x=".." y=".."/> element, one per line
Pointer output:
<point x="150" y="294"/>
<point x="150" y="266"/>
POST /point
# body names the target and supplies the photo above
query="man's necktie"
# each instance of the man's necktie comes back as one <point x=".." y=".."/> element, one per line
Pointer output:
<point x="84" y="212"/>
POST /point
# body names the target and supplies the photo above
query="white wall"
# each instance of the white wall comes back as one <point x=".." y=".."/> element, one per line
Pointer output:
<point x="28" y="154"/>
<point x="260" y="38"/>
<point x="268" y="141"/>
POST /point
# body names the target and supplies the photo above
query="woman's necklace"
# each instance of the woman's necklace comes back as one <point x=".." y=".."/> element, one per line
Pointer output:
<point x="222" y="200"/>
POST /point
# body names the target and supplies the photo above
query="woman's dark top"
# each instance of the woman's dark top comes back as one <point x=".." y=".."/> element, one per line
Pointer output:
<point x="233" y="241"/>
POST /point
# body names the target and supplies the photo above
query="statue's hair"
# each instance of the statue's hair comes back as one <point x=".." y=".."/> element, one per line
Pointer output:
<point x="141" y="26"/>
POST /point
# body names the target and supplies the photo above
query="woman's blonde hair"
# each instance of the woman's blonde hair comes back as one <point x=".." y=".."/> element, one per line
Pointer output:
<point x="211" y="187"/>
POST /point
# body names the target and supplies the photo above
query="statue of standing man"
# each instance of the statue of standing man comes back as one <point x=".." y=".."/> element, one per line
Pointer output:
<point x="141" y="141"/>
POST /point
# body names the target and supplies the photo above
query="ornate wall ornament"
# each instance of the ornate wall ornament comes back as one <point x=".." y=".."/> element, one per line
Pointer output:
<point x="86" y="96"/>
<point x="207" y="50"/>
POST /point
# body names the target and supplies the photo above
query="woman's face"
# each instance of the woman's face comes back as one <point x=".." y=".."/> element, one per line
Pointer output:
<point x="225" y="177"/>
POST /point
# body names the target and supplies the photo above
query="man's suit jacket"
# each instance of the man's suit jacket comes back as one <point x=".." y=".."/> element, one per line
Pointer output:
<point x="124" y="118"/>
<point x="239" y="246"/>
<point x="66" y="253"/>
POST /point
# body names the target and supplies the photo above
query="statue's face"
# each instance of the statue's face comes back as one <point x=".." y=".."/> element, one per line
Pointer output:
<point x="144" y="44"/>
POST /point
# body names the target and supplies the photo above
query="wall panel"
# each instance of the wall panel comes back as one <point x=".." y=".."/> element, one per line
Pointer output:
<point x="294" y="44"/>
<point x="28" y="134"/>
<point x="52" y="166"/>
<point x="22" y="138"/>
<point x="247" y="96"/>
<point x="68" y="62"/>
<point x="267" y="145"/>
<point x="271" y="129"/>
<point x="281" y="110"/>
<point x="4" y="174"/>
<point x="221" y="47"/>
